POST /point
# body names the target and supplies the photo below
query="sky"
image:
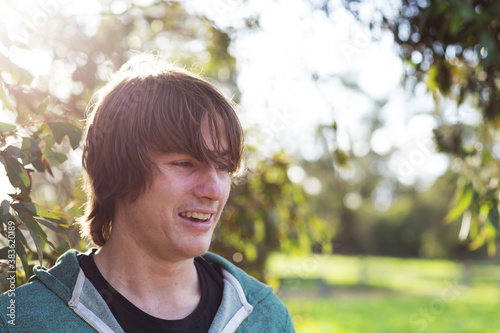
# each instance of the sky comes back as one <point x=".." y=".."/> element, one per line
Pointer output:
<point x="282" y="101"/>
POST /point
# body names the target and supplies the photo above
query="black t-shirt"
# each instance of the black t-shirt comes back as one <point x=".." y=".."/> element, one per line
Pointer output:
<point x="134" y="320"/>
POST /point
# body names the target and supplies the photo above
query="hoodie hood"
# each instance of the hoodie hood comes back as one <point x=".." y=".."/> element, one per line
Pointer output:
<point x="61" y="278"/>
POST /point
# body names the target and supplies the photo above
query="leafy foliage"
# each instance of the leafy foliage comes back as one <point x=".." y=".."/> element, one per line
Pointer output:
<point x="25" y="148"/>
<point x="37" y="140"/>
<point x="454" y="48"/>
<point x="266" y="212"/>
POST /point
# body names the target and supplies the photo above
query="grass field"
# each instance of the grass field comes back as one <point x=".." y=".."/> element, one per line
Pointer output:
<point x="370" y="294"/>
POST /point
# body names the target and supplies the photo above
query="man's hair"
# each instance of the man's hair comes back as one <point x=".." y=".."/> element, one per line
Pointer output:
<point x="149" y="105"/>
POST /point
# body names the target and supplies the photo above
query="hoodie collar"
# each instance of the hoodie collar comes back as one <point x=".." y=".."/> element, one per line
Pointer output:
<point x="254" y="290"/>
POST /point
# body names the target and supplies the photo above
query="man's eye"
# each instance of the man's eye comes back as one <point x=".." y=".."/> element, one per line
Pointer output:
<point x="183" y="164"/>
<point x="222" y="167"/>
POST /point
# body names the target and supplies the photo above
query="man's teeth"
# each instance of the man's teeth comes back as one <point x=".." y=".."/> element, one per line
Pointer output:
<point x="196" y="215"/>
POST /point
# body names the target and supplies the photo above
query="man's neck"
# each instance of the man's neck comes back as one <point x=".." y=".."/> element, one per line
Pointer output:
<point x="163" y="289"/>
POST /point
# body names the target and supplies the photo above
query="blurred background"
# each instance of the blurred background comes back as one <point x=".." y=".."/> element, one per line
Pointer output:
<point x="370" y="197"/>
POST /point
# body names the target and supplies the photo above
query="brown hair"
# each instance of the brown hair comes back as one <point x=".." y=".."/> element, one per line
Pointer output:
<point x="149" y="105"/>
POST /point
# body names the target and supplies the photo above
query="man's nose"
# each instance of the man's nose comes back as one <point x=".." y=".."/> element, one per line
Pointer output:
<point x="209" y="184"/>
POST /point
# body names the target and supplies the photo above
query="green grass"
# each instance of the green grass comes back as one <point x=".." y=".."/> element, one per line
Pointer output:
<point x="393" y="315"/>
<point x="371" y="294"/>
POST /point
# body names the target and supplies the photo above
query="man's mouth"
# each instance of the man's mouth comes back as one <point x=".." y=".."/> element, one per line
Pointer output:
<point x="196" y="216"/>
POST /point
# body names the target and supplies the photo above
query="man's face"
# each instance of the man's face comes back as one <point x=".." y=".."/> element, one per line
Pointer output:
<point x="175" y="218"/>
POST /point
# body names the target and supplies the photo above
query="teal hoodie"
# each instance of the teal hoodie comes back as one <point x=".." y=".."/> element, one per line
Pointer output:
<point x="62" y="299"/>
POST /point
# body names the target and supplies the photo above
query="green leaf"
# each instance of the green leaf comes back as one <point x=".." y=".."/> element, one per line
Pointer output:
<point x="53" y="157"/>
<point x="52" y="227"/>
<point x="40" y="166"/>
<point x="59" y="214"/>
<point x="60" y="130"/>
<point x="48" y="224"/>
<point x="5" y="218"/>
<point x="30" y="151"/>
<point x="35" y="209"/>
<point x="45" y="213"/>
<point x="13" y="151"/>
<point x="18" y="176"/>
<point x="5" y="207"/>
<point x="39" y="246"/>
<point x="30" y="145"/>
<point x="43" y="106"/>
<point x="20" y="237"/>
<point x="4" y="127"/>
<point x="33" y="226"/>
<point x="30" y="210"/>
<point x="49" y="141"/>
<point x="21" y="253"/>
<point x="464" y="201"/>
<point x="484" y="211"/>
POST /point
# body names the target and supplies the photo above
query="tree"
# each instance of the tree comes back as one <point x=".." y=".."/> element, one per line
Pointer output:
<point x="454" y="48"/>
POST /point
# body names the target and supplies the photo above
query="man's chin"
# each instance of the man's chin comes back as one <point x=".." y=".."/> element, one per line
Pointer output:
<point x="197" y="250"/>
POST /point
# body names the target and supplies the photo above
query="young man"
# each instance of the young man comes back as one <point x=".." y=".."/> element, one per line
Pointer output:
<point x="161" y="147"/>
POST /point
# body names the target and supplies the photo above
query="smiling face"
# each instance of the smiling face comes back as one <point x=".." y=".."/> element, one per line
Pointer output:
<point x="175" y="217"/>
<point x="149" y="106"/>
